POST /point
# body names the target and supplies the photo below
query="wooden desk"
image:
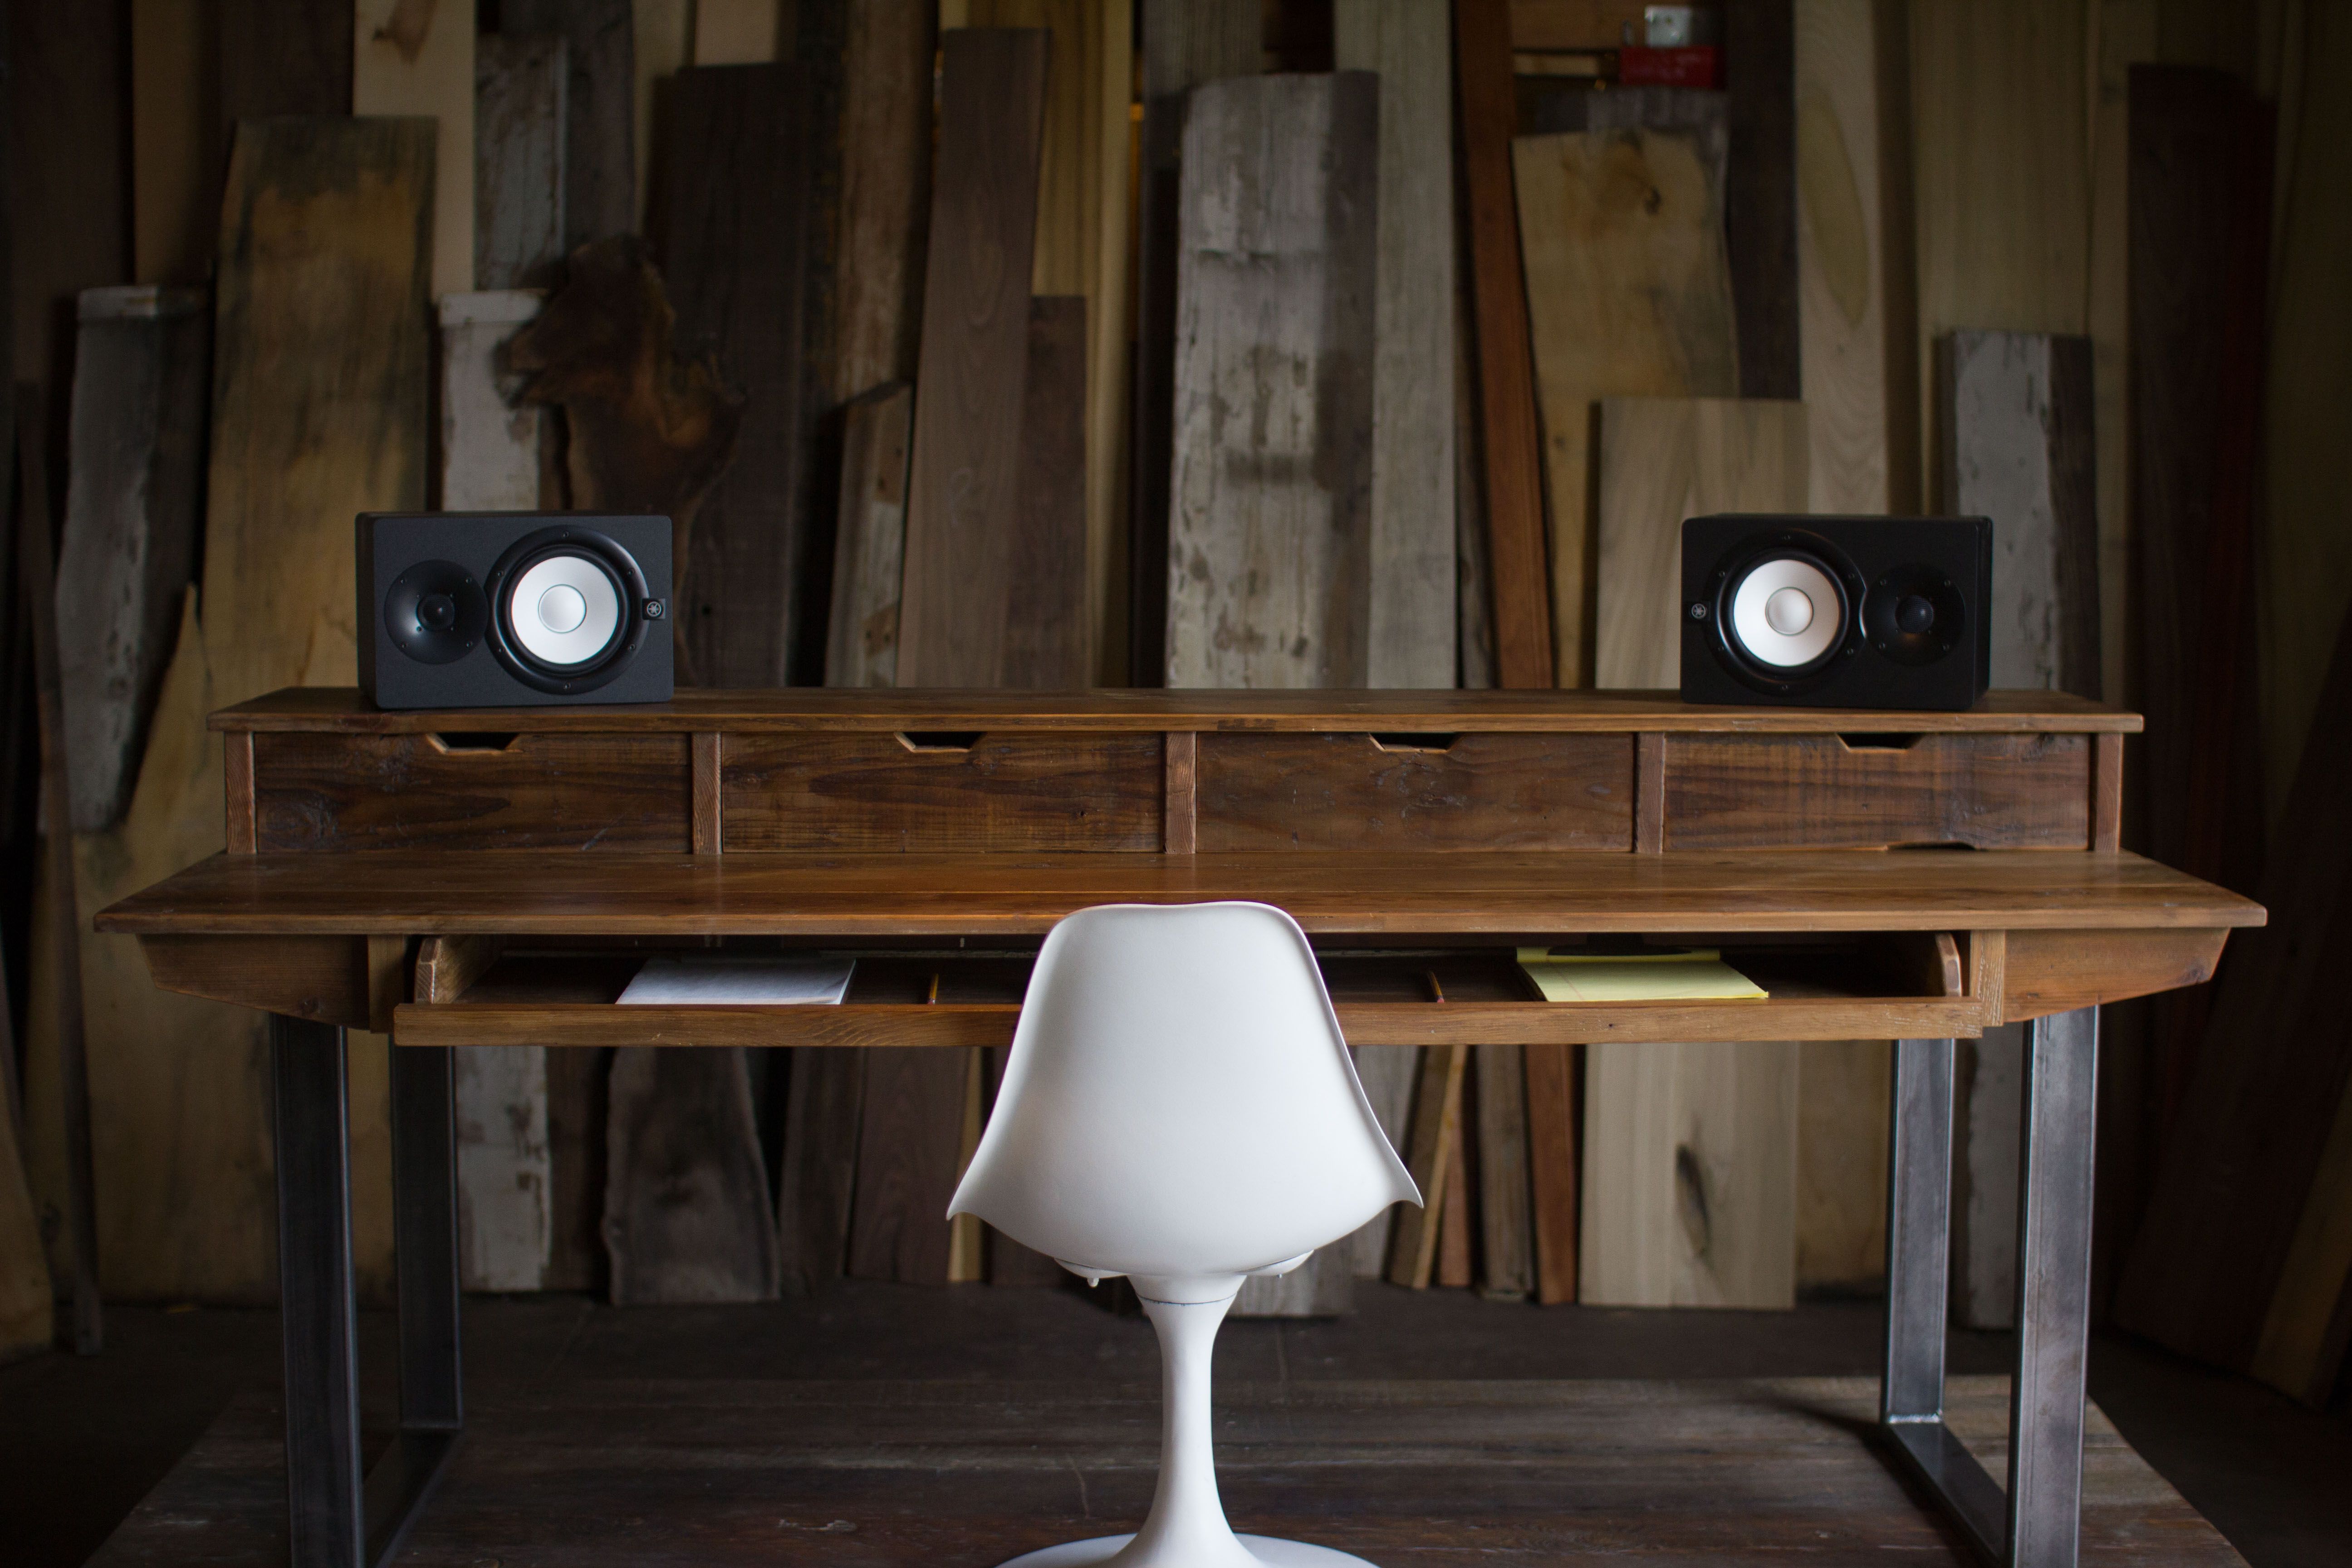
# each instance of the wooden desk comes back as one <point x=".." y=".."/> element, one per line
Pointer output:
<point x="461" y="879"/>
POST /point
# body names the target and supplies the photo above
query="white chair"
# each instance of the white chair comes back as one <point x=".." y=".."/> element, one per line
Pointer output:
<point x="1180" y="1107"/>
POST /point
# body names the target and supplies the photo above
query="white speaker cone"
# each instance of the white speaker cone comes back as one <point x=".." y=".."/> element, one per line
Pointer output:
<point x="1785" y="613"/>
<point x="564" y="610"/>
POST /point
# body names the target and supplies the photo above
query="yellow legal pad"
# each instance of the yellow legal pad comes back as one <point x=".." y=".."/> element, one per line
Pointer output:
<point x="1692" y="974"/>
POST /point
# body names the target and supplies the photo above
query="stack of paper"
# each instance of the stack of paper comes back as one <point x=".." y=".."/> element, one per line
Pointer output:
<point x="1678" y="974"/>
<point x="719" y="979"/>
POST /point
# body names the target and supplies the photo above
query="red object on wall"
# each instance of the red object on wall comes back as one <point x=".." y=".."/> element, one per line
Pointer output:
<point x="1699" y="65"/>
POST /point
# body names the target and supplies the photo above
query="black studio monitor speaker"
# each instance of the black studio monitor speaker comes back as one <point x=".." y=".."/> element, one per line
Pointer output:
<point x="1837" y="612"/>
<point x="513" y="609"/>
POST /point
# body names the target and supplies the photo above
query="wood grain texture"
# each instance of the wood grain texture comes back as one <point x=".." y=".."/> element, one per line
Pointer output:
<point x="1663" y="460"/>
<point x="1555" y="1076"/>
<point x="1843" y="1089"/>
<point x="735" y="252"/>
<point x="561" y="892"/>
<point x="1649" y="793"/>
<point x="1411" y="638"/>
<point x="600" y="158"/>
<point x="322" y="978"/>
<point x="412" y="59"/>
<point x="2020" y="792"/>
<point x="505" y="1172"/>
<point x="1759" y="193"/>
<point x="1259" y="792"/>
<point x="1721" y="1471"/>
<point x="962" y="497"/>
<point x="908" y="1132"/>
<point x="1432" y="1156"/>
<point x="128" y="551"/>
<point x="417" y="792"/>
<point x="1049" y="636"/>
<point x="1506" y="1243"/>
<point x="1180" y="792"/>
<point x="1690" y="1165"/>
<point x="1842" y="298"/>
<point x="869" y="549"/>
<point x="1269" y="508"/>
<point x="2014" y="416"/>
<point x="707" y="829"/>
<point x="823" y="1106"/>
<point x="490" y="451"/>
<point x="863" y="794"/>
<point x="238" y="791"/>
<point x="885" y="166"/>
<point x="521" y="95"/>
<point x="685" y="1201"/>
<point x="1455" y="1246"/>
<point x="1629" y="294"/>
<point x="1576" y="23"/>
<point x="1518" y="559"/>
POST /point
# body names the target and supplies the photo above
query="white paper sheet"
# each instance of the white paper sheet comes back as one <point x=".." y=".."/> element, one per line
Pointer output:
<point x="717" y="979"/>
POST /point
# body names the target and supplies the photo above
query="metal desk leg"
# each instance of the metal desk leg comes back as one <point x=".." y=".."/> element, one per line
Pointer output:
<point x="2036" y="1524"/>
<point x="315" y="1306"/>
<point x="335" y="1519"/>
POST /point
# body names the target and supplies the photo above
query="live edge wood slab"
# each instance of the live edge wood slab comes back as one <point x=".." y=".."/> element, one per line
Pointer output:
<point x="495" y="877"/>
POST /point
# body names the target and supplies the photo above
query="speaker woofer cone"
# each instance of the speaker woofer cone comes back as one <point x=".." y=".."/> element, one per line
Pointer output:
<point x="1783" y="609"/>
<point x="567" y="609"/>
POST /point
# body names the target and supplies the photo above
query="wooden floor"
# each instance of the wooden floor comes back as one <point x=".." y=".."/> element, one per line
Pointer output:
<point x="964" y="1475"/>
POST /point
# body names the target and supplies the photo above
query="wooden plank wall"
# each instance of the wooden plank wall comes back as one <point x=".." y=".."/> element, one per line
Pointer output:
<point x="600" y="151"/>
<point x="419" y="61"/>
<point x="520" y="88"/>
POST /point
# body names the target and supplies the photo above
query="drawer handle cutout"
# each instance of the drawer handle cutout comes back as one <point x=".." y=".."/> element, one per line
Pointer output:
<point x="940" y="740"/>
<point x="1867" y="742"/>
<point x="474" y="742"/>
<point x="1434" y="743"/>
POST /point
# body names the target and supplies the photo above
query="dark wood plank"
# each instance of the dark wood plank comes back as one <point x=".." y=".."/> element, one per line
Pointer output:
<point x="942" y="793"/>
<point x="2272" y="1065"/>
<point x="278" y="59"/>
<point x="600" y="157"/>
<point x="869" y="550"/>
<point x="37" y="581"/>
<point x="344" y="710"/>
<point x="885" y="174"/>
<point x="1760" y="206"/>
<point x="1269" y="551"/>
<point x="908" y="1132"/>
<point x="964" y="489"/>
<point x="1537" y="793"/>
<point x="824" y="1106"/>
<point x="1047" y="642"/>
<point x="735" y="254"/>
<point x="143" y="361"/>
<point x="425" y="791"/>
<point x="647" y="429"/>
<point x="577" y="1108"/>
<point x="323" y="978"/>
<point x="685" y="1198"/>
<point x="520" y="91"/>
<point x="394" y="893"/>
<point x="1507" y="385"/>
<point x="1988" y="792"/>
<point x="1506" y="1251"/>
<point x="1432" y="1155"/>
<point x="1555" y="1077"/>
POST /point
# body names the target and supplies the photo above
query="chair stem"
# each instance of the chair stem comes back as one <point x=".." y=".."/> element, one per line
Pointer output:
<point x="1187" y="1524"/>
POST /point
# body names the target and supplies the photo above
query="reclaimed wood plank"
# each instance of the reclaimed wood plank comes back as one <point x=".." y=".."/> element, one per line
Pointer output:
<point x="964" y="492"/>
<point x="735" y="251"/>
<point x="505" y="1221"/>
<point x="1555" y="1084"/>
<point x="738" y="32"/>
<point x="685" y="1198"/>
<point x="413" y="60"/>
<point x="1630" y="293"/>
<point x="27" y="1311"/>
<point x="520" y="112"/>
<point x="1843" y="303"/>
<point x="1432" y="1158"/>
<point x="886" y="169"/>
<point x="127" y="552"/>
<point x="1842" y="1117"/>
<point x="1526" y="641"/>
<point x="1661" y="460"/>
<point x="600" y="163"/>
<point x="870" y="547"/>
<point x="1411" y="635"/>
<point x="280" y="59"/>
<point x="1759" y="194"/>
<point x="1049" y="638"/>
<point x="490" y="450"/>
<point x="1268" y="516"/>
<point x="908" y="1131"/>
<point x="176" y="139"/>
<point x="1506" y="1250"/>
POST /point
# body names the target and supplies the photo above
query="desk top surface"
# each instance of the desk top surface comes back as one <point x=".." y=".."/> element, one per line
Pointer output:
<point x="566" y="892"/>
<point x="344" y="711"/>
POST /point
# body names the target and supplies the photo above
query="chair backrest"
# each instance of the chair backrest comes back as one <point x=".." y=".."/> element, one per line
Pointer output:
<point x="1179" y="1099"/>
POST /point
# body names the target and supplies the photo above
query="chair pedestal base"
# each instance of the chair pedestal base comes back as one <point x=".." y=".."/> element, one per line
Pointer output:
<point x="1270" y="1549"/>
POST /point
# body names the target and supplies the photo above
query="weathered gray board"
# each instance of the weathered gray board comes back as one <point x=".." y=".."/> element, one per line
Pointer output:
<point x="142" y="369"/>
<point x="600" y="153"/>
<point x="489" y="446"/>
<point x="1408" y="44"/>
<point x="2014" y="418"/>
<point x="520" y="92"/>
<point x="1270" y="513"/>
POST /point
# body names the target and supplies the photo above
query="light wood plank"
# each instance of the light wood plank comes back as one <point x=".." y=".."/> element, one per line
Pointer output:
<point x="1630" y="293"/>
<point x="870" y="547"/>
<point x="1269" y="524"/>
<point x="1841" y="1110"/>
<point x="520" y="91"/>
<point x="489" y="448"/>
<point x="1663" y="460"/>
<point x="738" y="32"/>
<point x="505" y="1175"/>
<point x="128" y="554"/>
<point x="1432" y="1158"/>
<point x="1840" y="257"/>
<point x="418" y="60"/>
<point x="1411" y="641"/>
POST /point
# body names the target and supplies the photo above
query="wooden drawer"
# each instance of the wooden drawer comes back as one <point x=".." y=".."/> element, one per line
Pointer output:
<point x="461" y="791"/>
<point x="1478" y="791"/>
<point x="1877" y="791"/>
<point x="880" y="793"/>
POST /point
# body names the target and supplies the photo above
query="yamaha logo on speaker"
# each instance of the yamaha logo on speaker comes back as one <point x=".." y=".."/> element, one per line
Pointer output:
<point x="513" y="609"/>
<point x="1837" y="612"/>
